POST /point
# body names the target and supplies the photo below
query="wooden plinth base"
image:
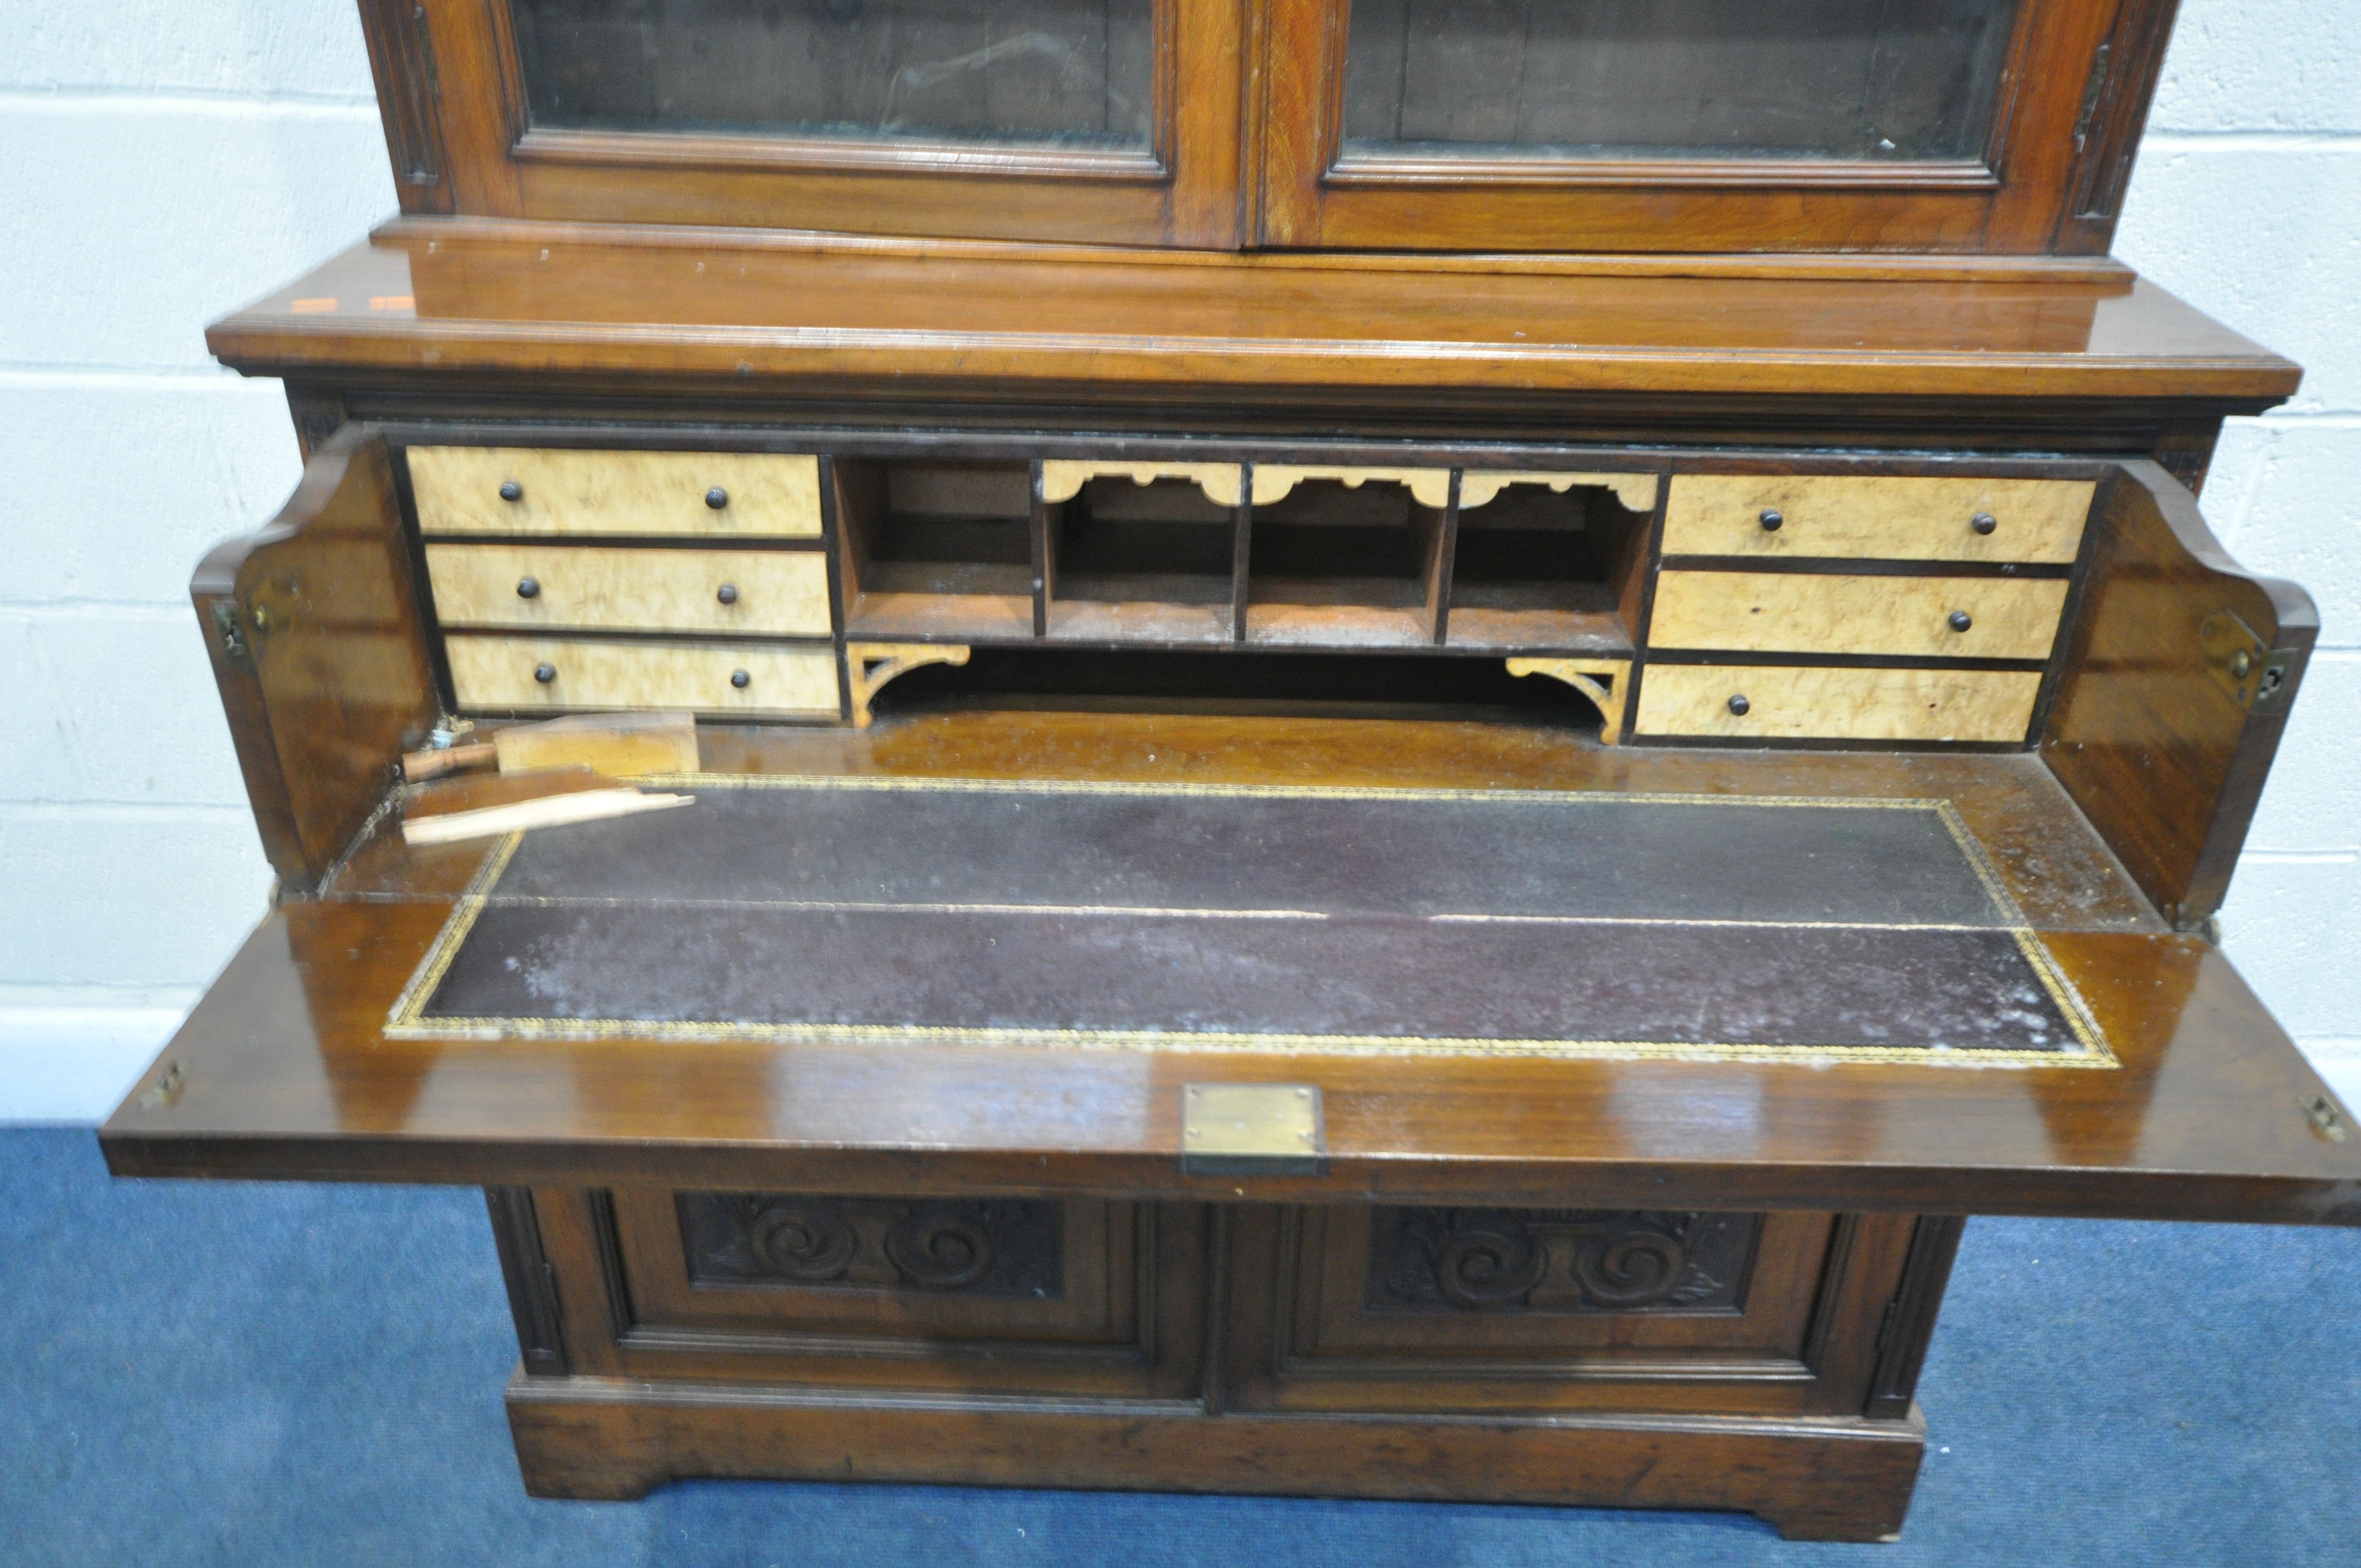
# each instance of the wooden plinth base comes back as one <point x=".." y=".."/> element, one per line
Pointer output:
<point x="1820" y="1480"/>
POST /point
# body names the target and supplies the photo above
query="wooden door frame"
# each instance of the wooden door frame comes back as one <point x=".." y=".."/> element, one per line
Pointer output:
<point x="2049" y="177"/>
<point x="461" y="141"/>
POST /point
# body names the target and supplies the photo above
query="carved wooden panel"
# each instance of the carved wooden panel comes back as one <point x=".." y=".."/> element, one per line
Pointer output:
<point x="1397" y="1308"/>
<point x="1558" y="1260"/>
<point x="998" y="1246"/>
<point x="1011" y="1295"/>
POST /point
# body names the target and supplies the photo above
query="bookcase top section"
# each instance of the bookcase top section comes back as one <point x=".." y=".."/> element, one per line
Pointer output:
<point x="447" y="296"/>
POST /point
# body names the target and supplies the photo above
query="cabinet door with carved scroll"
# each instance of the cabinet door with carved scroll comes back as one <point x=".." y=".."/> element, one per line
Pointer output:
<point x="1393" y="1308"/>
<point x="988" y="1294"/>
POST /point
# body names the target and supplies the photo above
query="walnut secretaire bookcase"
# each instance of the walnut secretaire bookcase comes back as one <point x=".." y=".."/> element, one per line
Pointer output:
<point x="1426" y="729"/>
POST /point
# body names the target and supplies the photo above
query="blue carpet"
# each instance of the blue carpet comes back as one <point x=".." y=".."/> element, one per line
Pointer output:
<point x="211" y="1374"/>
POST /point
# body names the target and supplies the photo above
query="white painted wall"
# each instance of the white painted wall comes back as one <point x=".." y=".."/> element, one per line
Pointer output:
<point x="163" y="161"/>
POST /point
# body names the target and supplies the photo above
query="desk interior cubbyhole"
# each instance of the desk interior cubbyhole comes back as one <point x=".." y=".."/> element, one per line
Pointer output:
<point x="1545" y="569"/>
<point x="936" y="549"/>
<point x="1339" y="564"/>
<point x="1146" y="563"/>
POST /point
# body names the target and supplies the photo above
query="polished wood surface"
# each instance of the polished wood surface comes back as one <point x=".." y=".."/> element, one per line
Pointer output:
<point x="1732" y="1347"/>
<point x="2015" y="197"/>
<point x="453" y="297"/>
<point x="320" y="651"/>
<point x="1833" y="1479"/>
<point x="1245" y="148"/>
<point x="284" y="1069"/>
<point x="2156" y="740"/>
<point x="473" y="121"/>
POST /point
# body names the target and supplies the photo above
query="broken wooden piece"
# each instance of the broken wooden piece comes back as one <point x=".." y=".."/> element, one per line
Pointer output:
<point x="621" y="745"/>
<point x="417" y="767"/>
<point x="485" y="807"/>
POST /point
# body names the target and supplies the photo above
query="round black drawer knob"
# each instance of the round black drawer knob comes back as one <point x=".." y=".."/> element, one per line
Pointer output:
<point x="741" y="679"/>
<point x="528" y="588"/>
<point x="1739" y="705"/>
<point x="1960" y="620"/>
<point x="544" y="673"/>
<point x="510" y="490"/>
<point x="1771" y="520"/>
<point x="717" y="497"/>
<point x="1983" y="522"/>
<point x="727" y="592"/>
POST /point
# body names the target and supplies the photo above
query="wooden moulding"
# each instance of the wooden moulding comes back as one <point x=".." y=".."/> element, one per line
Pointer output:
<point x="1062" y="478"/>
<point x="1225" y="484"/>
<point x="869" y="665"/>
<point x="1274" y="482"/>
<point x="1843" y="1478"/>
<point x="1585" y="675"/>
<point x="1635" y="492"/>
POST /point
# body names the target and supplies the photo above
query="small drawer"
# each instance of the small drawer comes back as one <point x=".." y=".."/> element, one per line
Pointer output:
<point x="1853" y="517"/>
<point x="466" y="489"/>
<point x="1805" y="702"/>
<point x="504" y="673"/>
<point x="1799" y="613"/>
<point x="781" y="593"/>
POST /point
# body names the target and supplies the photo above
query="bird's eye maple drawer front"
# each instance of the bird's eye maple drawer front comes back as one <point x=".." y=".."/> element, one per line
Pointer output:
<point x="1000" y="1294"/>
<point x="776" y="593"/>
<point x="1384" y="1308"/>
<point x="1803" y="612"/>
<point x="1858" y="517"/>
<point x="534" y="491"/>
<point x="558" y="673"/>
<point x="1792" y="702"/>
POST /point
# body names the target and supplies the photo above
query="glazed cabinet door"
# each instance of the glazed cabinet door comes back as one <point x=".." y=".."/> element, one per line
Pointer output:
<point x="1105" y="121"/>
<point x="1959" y="126"/>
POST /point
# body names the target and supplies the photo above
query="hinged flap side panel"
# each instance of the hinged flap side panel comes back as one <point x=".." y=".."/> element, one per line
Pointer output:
<point x="320" y="651"/>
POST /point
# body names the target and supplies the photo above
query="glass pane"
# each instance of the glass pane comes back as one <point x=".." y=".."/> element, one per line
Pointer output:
<point x="1058" y="71"/>
<point x="1837" y="79"/>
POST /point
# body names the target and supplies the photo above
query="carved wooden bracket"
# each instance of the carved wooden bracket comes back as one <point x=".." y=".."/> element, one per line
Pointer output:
<point x="1225" y="484"/>
<point x="1636" y="491"/>
<point x="1583" y="674"/>
<point x="871" y="664"/>
<point x="1062" y="479"/>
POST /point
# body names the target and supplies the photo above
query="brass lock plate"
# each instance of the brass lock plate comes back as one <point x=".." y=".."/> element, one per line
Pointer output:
<point x="1252" y="1129"/>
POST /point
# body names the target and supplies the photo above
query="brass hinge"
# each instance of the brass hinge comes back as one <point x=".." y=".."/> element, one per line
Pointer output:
<point x="2241" y="663"/>
<point x="2327" y="1117"/>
